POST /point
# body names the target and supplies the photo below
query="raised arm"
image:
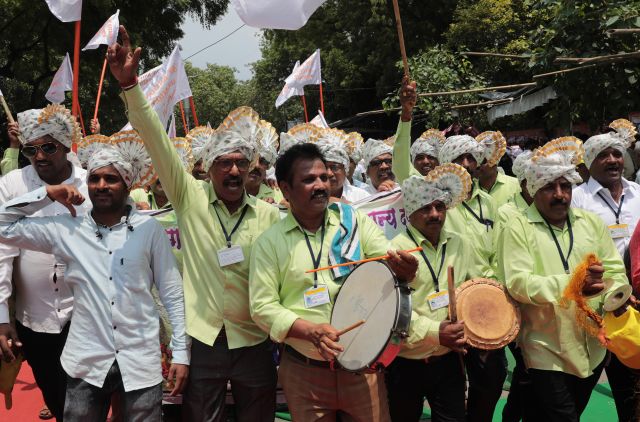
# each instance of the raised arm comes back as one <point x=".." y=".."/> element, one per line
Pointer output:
<point x="402" y="166"/>
<point x="176" y="182"/>
<point x="10" y="157"/>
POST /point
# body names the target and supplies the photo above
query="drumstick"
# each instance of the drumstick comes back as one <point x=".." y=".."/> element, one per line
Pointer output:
<point x="351" y="327"/>
<point x="362" y="261"/>
<point x="452" y="295"/>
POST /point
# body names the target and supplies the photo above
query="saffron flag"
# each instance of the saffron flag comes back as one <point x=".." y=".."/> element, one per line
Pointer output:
<point x="66" y="10"/>
<point x="276" y="14"/>
<point x="107" y="35"/>
<point x="62" y="82"/>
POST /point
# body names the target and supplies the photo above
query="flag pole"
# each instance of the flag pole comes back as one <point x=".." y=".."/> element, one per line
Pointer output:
<point x="84" y="133"/>
<point x="304" y="105"/>
<point x="6" y="109"/>
<point x="75" y="106"/>
<point x="321" y="98"/>
<point x="104" y="68"/>
<point x="193" y="112"/>
<point x="403" y="51"/>
<point x="184" y="120"/>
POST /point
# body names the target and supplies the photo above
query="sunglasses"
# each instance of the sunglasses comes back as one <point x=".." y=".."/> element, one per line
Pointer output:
<point x="48" y="148"/>
<point x="378" y="163"/>
<point x="227" y="165"/>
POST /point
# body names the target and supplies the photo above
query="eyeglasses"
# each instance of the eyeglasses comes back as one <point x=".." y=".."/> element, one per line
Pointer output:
<point x="378" y="163"/>
<point x="227" y="165"/>
<point x="48" y="148"/>
<point x="335" y="167"/>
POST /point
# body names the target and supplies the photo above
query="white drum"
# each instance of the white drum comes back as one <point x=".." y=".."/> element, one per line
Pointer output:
<point x="371" y="293"/>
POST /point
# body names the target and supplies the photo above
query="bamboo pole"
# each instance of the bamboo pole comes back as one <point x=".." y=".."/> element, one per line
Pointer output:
<point x="493" y="102"/>
<point x="560" y="72"/>
<point x="5" y="106"/>
<point x="501" y="55"/>
<point x="472" y="90"/>
<point x="623" y="31"/>
<point x="403" y="51"/>
<point x="104" y="69"/>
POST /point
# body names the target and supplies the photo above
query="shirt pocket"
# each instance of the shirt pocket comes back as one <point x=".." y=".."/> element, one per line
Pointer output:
<point x="134" y="274"/>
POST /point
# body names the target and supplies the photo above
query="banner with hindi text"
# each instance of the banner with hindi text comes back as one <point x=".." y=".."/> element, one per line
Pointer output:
<point x="386" y="209"/>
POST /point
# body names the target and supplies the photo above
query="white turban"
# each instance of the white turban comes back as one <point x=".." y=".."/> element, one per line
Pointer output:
<point x="557" y="158"/>
<point x="267" y="138"/>
<point x="495" y="145"/>
<point x="374" y="148"/>
<point x="89" y="145"/>
<point x="199" y="137"/>
<point x="428" y="143"/>
<point x="598" y="143"/>
<point x="333" y="144"/>
<point x="449" y="183"/>
<point x="53" y="120"/>
<point x="458" y="145"/>
<point x="110" y="156"/>
<point x="520" y="164"/>
<point x="225" y="142"/>
<point x="299" y="134"/>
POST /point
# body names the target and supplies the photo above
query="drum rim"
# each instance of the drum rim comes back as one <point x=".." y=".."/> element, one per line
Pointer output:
<point x="391" y="334"/>
<point x="485" y="344"/>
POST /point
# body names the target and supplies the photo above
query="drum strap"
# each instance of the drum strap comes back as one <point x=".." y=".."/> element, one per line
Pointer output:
<point x="434" y="276"/>
<point x="565" y="261"/>
<point x="480" y="218"/>
<point x="315" y="259"/>
<point x="228" y="235"/>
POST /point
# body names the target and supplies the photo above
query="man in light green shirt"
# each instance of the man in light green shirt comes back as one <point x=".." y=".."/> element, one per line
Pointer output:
<point x="497" y="184"/>
<point x="538" y="252"/>
<point x="10" y="157"/>
<point x="427" y="365"/>
<point x="218" y="224"/>
<point x="295" y="307"/>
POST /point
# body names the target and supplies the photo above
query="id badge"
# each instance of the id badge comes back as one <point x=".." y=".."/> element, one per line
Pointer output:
<point x="619" y="231"/>
<point x="316" y="296"/>
<point x="229" y="256"/>
<point x="438" y="300"/>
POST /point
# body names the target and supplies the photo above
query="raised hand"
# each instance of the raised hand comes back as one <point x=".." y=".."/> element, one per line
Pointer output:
<point x="13" y="131"/>
<point x="123" y="62"/>
<point x="67" y="195"/>
<point x="408" y="98"/>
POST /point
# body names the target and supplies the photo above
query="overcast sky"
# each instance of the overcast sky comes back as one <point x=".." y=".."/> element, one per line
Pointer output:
<point x="238" y="51"/>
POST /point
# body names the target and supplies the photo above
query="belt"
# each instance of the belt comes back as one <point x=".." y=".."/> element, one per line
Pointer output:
<point x="312" y="362"/>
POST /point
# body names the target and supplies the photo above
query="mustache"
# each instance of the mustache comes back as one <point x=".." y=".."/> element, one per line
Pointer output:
<point x="320" y="193"/>
<point x="555" y="202"/>
<point x="232" y="179"/>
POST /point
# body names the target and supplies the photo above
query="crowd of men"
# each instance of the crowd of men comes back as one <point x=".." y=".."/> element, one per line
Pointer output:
<point x="91" y="278"/>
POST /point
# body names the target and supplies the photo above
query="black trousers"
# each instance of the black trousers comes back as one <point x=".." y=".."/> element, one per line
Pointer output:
<point x="253" y="376"/>
<point x="441" y="381"/>
<point x="519" y="405"/>
<point x="624" y="384"/>
<point x="42" y="351"/>
<point x="487" y="371"/>
<point x="560" y="396"/>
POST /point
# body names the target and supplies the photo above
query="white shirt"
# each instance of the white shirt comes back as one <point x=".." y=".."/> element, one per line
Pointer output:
<point x="44" y="301"/>
<point x="115" y="316"/>
<point x="352" y="193"/>
<point x="586" y="197"/>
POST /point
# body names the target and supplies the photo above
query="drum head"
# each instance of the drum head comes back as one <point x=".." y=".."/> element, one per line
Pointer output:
<point x="369" y="294"/>
<point x="617" y="298"/>
<point x="491" y="318"/>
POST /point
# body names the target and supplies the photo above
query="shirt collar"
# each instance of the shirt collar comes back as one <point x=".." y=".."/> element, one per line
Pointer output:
<point x="594" y="186"/>
<point x="445" y="236"/>
<point x="330" y="219"/>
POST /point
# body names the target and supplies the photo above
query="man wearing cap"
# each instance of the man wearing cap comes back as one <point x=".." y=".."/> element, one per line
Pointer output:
<point x="617" y="201"/>
<point x="44" y="301"/>
<point x="497" y="184"/>
<point x="257" y="178"/>
<point x="113" y="256"/>
<point x="378" y="159"/>
<point x="538" y="252"/>
<point x="295" y="307"/>
<point x="218" y="224"/>
<point x="428" y="365"/>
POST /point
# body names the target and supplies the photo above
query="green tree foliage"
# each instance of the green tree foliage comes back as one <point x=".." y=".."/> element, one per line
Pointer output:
<point x="33" y="43"/>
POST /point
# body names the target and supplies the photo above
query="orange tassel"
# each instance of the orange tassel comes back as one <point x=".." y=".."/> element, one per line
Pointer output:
<point x="586" y="317"/>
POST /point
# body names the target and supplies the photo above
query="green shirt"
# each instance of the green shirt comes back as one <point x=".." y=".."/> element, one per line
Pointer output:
<point x="214" y="296"/>
<point x="402" y="166"/>
<point x="503" y="189"/>
<point x="529" y="261"/>
<point x="267" y="192"/>
<point x="278" y="280"/>
<point x="9" y="160"/>
<point x="424" y="332"/>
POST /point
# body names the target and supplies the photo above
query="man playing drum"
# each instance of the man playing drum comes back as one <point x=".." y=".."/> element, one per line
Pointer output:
<point x="539" y="250"/>
<point x="427" y="365"/>
<point x="295" y="307"/>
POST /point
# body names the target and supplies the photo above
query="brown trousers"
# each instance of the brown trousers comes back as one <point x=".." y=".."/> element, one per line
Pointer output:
<point x="318" y="394"/>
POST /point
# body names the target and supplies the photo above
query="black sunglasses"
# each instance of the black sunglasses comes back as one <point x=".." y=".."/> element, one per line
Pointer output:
<point x="30" y="151"/>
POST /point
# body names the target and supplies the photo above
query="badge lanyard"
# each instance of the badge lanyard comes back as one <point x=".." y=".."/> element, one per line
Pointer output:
<point x="314" y="259"/>
<point x="565" y="261"/>
<point x="227" y="235"/>
<point x="488" y="223"/>
<point x="434" y="276"/>
<point x="613" y="210"/>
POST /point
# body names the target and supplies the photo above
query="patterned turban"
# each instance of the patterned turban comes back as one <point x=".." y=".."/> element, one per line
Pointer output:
<point x="449" y="183"/>
<point x="53" y="120"/>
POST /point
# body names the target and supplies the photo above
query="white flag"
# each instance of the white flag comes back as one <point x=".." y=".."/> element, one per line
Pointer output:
<point x="289" y="91"/>
<point x="276" y="14"/>
<point x="320" y="121"/>
<point x="107" y="35"/>
<point x="386" y="209"/>
<point x="62" y="82"/>
<point x="165" y="85"/>
<point x="66" y="10"/>
<point x="172" y="127"/>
